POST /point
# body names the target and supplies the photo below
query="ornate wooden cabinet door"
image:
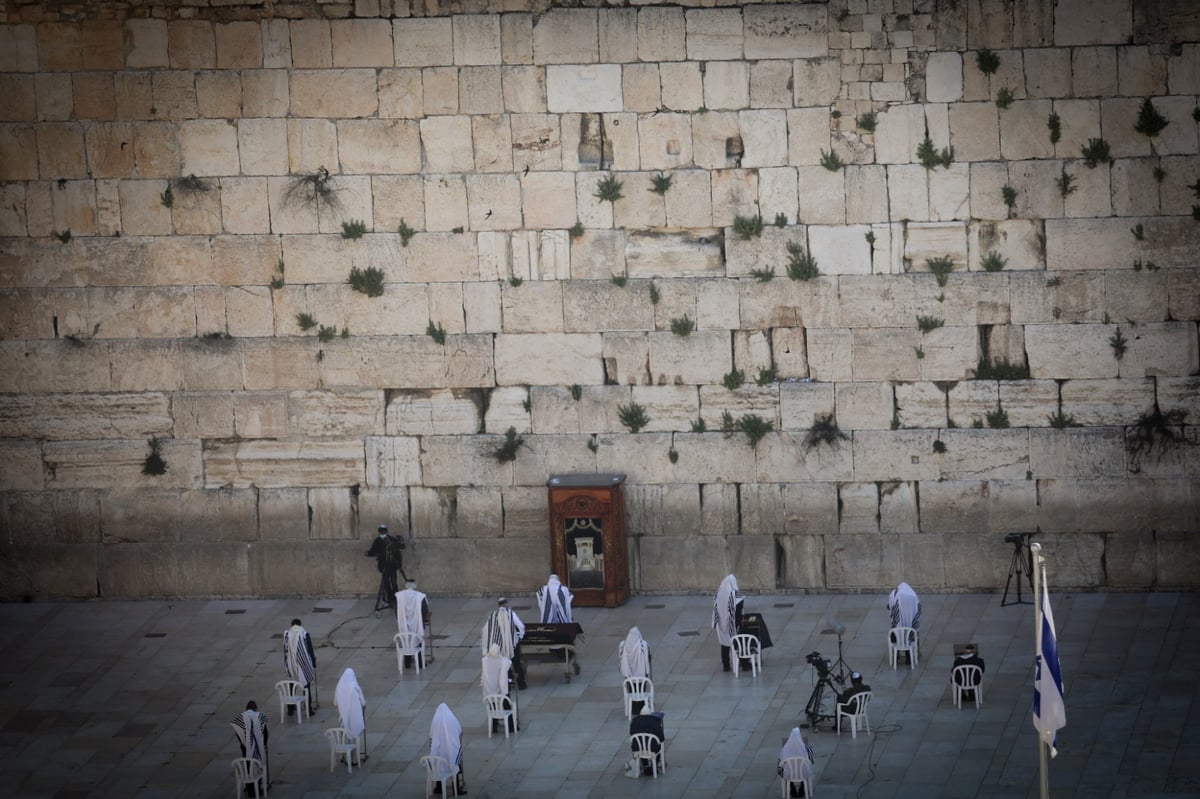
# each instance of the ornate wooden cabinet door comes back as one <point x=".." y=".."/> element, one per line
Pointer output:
<point x="588" y="548"/>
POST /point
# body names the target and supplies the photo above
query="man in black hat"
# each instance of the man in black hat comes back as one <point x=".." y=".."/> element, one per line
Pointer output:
<point x="857" y="686"/>
<point x="386" y="549"/>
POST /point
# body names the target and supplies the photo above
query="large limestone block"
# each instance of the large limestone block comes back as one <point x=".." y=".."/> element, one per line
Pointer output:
<point x="764" y="137"/>
<point x="598" y="255"/>
<point x="155" y="570"/>
<point x="1063" y="296"/>
<point x="21" y="465"/>
<point x="859" y="503"/>
<point x="548" y="359"/>
<point x="185" y="517"/>
<point x="985" y="454"/>
<point x="282" y="514"/>
<point x="595" y="306"/>
<point x="640" y="207"/>
<point x="661" y="35"/>
<point x="476" y="38"/>
<point x="971" y="400"/>
<point x="422" y="42"/>
<point x="119" y="463"/>
<point x="618" y="35"/>
<point x="885" y="354"/>
<point x="665" y="141"/>
<point x="278" y="568"/>
<point x="1070" y="351"/>
<point x="866" y="193"/>
<point x="892" y="301"/>
<point x="943" y="77"/>
<point x="389" y="146"/>
<point x="65" y="417"/>
<point x="641" y="87"/>
<point x="427" y="412"/>
<point x="899" y="131"/>
<point x="727" y="85"/>
<point x="786" y="457"/>
<point x="663" y="563"/>
<point x="554" y="409"/>
<point x="668" y="407"/>
<point x="333" y="93"/>
<point x="714" y="34"/>
<point x="778" y="188"/>
<point x="808" y="135"/>
<point x="716" y="139"/>
<point x="925" y="240"/>
<point x="950" y="193"/>
<point x="716" y="401"/>
<point x="973" y="506"/>
<point x="341" y="414"/>
<point x="440" y="257"/>
<point x="1071" y="453"/>
<point x="445" y="202"/>
<point x="1176" y="560"/>
<point x="1028" y="403"/>
<point x="627" y="358"/>
<point x="785" y="31"/>
<point x="894" y="455"/>
<point x="260" y="415"/>
<point x="409" y="362"/>
<point x="1023" y="130"/>
<point x="555" y="454"/>
<point x="1179" y="394"/>
<point x="840" y="250"/>
<point x="583" y="88"/>
<point x="1168" y="348"/>
<point x="701" y="357"/>
<point x="277" y="464"/>
<point x="1107" y="403"/>
<point x="533" y="308"/>
<point x="506" y="408"/>
<point x="311" y="44"/>
<point x="463" y="460"/>
<point x="717" y="304"/>
<point x="735" y="193"/>
<point x="694" y="254"/>
<point x="566" y="36"/>
<point x="864" y="560"/>
<point x="1016" y="241"/>
<point x="789" y="352"/>
<point x="744" y="255"/>
<point x="830" y="354"/>
<point x="975" y="131"/>
<point x="1080" y="22"/>
<point x="776" y="304"/>
<point x="392" y="461"/>
<point x="864" y="406"/>
<point x="947" y="353"/>
<point x="921" y="405"/>
<point x="719" y="503"/>
<point x="362" y="43"/>
<point x="1114" y="506"/>
<point x="822" y="196"/>
<point x="549" y="200"/>
<point x="703" y="457"/>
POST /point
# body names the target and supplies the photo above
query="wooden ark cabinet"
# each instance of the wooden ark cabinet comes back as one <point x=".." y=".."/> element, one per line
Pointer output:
<point x="588" y="549"/>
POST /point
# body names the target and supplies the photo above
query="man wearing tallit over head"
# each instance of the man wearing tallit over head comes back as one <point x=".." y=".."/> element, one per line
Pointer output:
<point x="494" y="680"/>
<point x="796" y="746"/>
<point x="727" y="616"/>
<point x="351" y="705"/>
<point x="504" y="629"/>
<point x="554" y="602"/>
<point x="250" y="728"/>
<point x="634" y="656"/>
<point x="445" y="741"/>
<point x="905" y="610"/>
<point x="300" y="661"/>
<point x="412" y="613"/>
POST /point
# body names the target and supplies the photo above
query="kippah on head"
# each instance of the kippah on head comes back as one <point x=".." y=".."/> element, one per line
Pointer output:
<point x="383" y="528"/>
<point x="502" y="600"/>
<point x="295" y="622"/>
<point x="252" y="705"/>
<point x="856" y="677"/>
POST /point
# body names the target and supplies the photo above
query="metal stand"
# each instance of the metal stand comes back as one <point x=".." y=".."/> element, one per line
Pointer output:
<point x="1020" y="566"/>
<point x="382" y="599"/>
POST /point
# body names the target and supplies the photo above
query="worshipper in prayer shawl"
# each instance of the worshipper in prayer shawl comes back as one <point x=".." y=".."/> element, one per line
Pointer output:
<point x="634" y="655"/>
<point x="796" y="746"/>
<point x="445" y="740"/>
<point x="495" y="680"/>
<point x="412" y="614"/>
<point x="505" y="629"/>
<point x="554" y="602"/>
<point x="300" y="660"/>
<point x="250" y="728"/>
<point x="350" y="703"/>
<point x="906" y="610"/>
<point x="727" y="616"/>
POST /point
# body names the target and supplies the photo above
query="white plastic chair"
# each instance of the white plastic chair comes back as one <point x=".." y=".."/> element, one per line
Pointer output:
<point x="409" y="645"/>
<point x="246" y="769"/>
<point x="903" y="639"/>
<point x="499" y="708"/>
<point x="967" y="677"/>
<point x="637" y="689"/>
<point x="341" y="742"/>
<point x="857" y="711"/>
<point x="435" y="766"/>
<point x="295" y="694"/>
<point x="643" y="749"/>
<point x="792" y="771"/>
<point x="747" y="646"/>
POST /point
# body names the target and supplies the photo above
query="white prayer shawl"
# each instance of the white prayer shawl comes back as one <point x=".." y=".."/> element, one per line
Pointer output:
<point x="905" y="607"/>
<point x="408" y="611"/>
<point x="495" y="672"/>
<point x="504" y="629"/>
<point x="634" y="654"/>
<point x="296" y="658"/>
<point x="725" y="610"/>
<point x="796" y="746"/>
<point x="349" y="700"/>
<point x="554" y="602"/>
<point x="445" y="740"/>
<point x="249" y="726"/>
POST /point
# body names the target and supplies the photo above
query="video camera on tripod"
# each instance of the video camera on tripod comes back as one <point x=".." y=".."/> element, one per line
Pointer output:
<point x="822" y="664"/>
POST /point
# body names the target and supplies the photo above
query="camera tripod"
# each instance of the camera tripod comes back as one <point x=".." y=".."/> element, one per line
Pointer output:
<point x="386" y="597"/>
<point x="840" y="670"/>
<point x="1020" y="566"/>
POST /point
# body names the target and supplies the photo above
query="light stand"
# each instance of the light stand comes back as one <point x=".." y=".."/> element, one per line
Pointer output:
<point x="1020" y="566"/>
<point x="840" y="669"/>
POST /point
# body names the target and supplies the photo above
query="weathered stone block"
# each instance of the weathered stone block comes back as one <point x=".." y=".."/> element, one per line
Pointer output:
<point x="1167" y="348"/>
<point x="969" y="506"/>
<point x="693" y="254"/>
<point x="822" y="196"/>
<point x="893" y="455"/>
<point x="898" y="508"/>
<point x="859" y="503"/>
<point x="21" y="465"/>
<point x="1070" y="351"/>
<point x="921" y="405"/>
<point x="785" y="31"/>
<point x="561" y="359"/>
<point x="587" y="88"/>
<point x="1107" y="403"/>
<point x="423" y="41"/>
<point x="714" y="34"/>
<point x="864" y="406"/>
<point x="885" y="354"/>
<point x="64" y="417"/>
<point x="1077" y="453"/>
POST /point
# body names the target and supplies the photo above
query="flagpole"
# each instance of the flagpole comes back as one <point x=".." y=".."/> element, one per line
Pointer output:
<point x="1039" y="583"/>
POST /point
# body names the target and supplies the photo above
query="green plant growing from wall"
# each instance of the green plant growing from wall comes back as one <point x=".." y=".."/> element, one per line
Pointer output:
<point x="576" y="230"/>
<point x="1139" y="232"/>
<point x="633" y="416"/>
<point x="997" y="419"/>
<point x="217" y="335"/>
<point x="941" y="267"/>
<point x="928" y="323"/>
<point x="405" y="232"/>
<point x="154" y="465"/>
<point x="436" y="332"/>
<point x="1060" y="420"/>
<point x="993" y="262"/>
<point x="734" y="380"/>
<point x="345" y="332"/>
<point x="1009" y="194"/>
<point x="1156" y="433"/>
<point x="368" y="281"/>
<point x="515" y="281"/>
<point x="870" y="237"/>
<point x="1004" y="98"/>
<point x="507" y="451"/>
<point x="354" y="229"/>
<point x="618" y="280"/>
<point x="673" y="455"/>
<point x="661" y="183"/>
<point x="766" y="376"/>
<point x="305" y="321"/>
<point x="1150" y="122"/>
<point x="527" y="404"/>
<point x="1196" y="114"/>
<point x="763" y="275"/>
<point x="1095" y="152"/>
<point x="919" y="352"/>
<point x="801" y="263"/>
<point x="755" y="427"/>
<point x="458" y="229"/>
<point x="168" y="197"/>
<point x="576" y="391"/>
<point x="1054" y="123"/>
<point x="1052" y="282"/>
<point x="831" y="161"/>
<point x="1119" y="343"/>
<point x="1149" y="266"/>
<point x="682" y="326"/>
<point x="1066" y="182"/>
<point x="987" y="61"/>
<point x="1000" y="369"/>
<point x="698" y="425"/>
<point x="896" y="423"/>
<point x="939" y="446"/>
<point x="824" y="430"/>
<point x="929" y="156"/>
<point x="866" y="122"/>
<point x="781" y="220"/>
<point x="1159" y="174"/>
<point x="64" y="236"/>
<point x="313" y="190"/>
<point x="593" y="444"/>
<point x="655" y="296"/>
<point x="608" y="189"/>
<point x="748" y="227"/>
<point x="326" y="334"/>
<point x="728" y="423"/>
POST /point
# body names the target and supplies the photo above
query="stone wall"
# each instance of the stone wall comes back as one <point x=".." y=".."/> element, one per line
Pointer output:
<point x="181" y="187"/>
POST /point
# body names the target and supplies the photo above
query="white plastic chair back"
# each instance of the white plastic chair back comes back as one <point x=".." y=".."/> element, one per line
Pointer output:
<point x="499" y="708"/>
<point x="967" y="677"/>
<point x="746" y="646"/>
<point x="856" y="711"/>
<point x="247" y="770"/>
<point x="341" y="742"/>
<point x="433" y="767"/>
<point x="409" y="644"/>
<point x="643" y="749"/>
<point x="903" y="639"/>
<point x="637" y="689"/>
<point x="295" y="694"/>
<point x="793" y="772"/>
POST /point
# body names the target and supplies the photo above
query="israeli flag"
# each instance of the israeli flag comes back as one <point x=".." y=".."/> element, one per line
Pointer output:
<point x="1049" y="712"/>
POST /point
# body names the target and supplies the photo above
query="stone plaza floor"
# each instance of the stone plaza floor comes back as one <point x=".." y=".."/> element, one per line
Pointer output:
<point x="134" y="699"/>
